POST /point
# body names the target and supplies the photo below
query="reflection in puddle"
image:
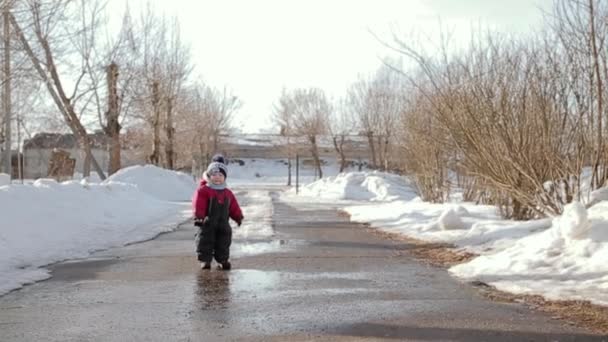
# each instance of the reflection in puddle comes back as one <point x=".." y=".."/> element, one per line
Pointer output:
<point x="213" y="290"/>
<point x="216" y="289"/>
<point x="255" y="282"/>
<point x="226" y="291"/>
<point x="247" y="248"/>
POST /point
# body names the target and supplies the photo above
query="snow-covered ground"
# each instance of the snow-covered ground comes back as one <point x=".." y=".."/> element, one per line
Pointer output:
<point x="560" y="258"/>
<point x="276" y="171"/>
<point x="44" y="222"/>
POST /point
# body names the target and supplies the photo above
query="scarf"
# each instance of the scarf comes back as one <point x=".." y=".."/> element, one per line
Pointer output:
<point x="217" y="186"/>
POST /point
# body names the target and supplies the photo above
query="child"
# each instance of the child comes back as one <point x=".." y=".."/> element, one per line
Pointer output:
<point x="213" y="204"/>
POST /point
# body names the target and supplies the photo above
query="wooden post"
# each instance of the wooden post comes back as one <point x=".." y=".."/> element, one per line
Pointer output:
<point x="297" y="173"/>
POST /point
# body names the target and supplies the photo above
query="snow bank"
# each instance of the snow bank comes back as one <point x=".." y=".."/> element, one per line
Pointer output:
<point x="561" y="258"/>
<point x="160" y="183"/>
<point x="574" y="223"/>
<point x="565" y="261"/>
<point x="363" y="186"/>
<point x="451" y="219"/>
<point x="46" y="221"/>
<point x="5" y="179"/>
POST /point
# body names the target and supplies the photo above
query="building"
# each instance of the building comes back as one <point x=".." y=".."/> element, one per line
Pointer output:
<point x="37" y="153"/>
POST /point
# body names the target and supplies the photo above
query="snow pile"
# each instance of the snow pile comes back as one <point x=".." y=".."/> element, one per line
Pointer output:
<point x="451" y="219"/>
<point x="561" y="258"/>
<point x="5" y="179"/>
<point x="46" y="221"/>
<point x="566" y="261"/>
<point x="158" y="182"/>
<point x="363" y="186"/>
<point x="574" y="223"/>
<point x="92" y="178"/>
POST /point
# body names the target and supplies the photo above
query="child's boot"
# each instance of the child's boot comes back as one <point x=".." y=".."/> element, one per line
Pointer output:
<point x="206" y="265"/>
<point x="225" y="265"/>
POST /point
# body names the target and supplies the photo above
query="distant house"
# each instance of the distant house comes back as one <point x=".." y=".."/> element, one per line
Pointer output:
<point x="273" y="146"/>
<point x="37" y="152"/>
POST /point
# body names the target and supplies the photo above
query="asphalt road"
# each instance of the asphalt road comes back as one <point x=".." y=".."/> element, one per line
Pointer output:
<point x="320" y="278"/>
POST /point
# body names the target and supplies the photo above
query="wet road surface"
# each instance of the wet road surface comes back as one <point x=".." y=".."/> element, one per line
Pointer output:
<point x="319" y="278"/>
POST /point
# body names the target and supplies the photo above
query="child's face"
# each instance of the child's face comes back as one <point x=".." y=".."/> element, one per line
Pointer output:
<point x="217" y="178"/>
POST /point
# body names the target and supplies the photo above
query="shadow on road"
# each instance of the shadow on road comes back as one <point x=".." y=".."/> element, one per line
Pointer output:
<point x="404" y="332"/>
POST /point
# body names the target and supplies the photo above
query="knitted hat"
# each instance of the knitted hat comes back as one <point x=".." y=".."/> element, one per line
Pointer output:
<point x="215" y="167"/>
<point x="219" y="158"/>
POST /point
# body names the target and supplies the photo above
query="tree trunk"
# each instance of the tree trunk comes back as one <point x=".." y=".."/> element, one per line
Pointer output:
<point x="288" y="170"/>
<point x="339" y="147"/>
<point x="386" y="151"/>
<point x="86" y="164"/>
<point x="215" y="141"/>
<point x="599" y="175"/>
<point x="203" y="151"/>
<point x="370" y="141"/>
<point x="381" y="154"/>
<point x="112" y="128"/>
<point x="315" y="154"/>
<point x="342" y="159"/>
<point x="155" y="156"/>
<point x="170" y="131"/>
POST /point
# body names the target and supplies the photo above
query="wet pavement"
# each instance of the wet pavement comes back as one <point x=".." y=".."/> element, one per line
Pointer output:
<point x="318" y="278"/>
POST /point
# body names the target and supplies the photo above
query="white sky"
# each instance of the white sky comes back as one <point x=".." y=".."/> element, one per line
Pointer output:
<point x="258" y="47"/>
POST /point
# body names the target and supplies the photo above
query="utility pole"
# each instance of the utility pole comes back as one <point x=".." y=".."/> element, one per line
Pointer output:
<point x="6" y="94"/>
<point x="297" y="173"/>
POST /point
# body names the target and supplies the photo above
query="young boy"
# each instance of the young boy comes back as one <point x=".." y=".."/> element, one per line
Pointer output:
<point x="213" y="205"/>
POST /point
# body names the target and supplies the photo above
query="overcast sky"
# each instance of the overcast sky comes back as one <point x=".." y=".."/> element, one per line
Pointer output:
<point x="258" y="47"/>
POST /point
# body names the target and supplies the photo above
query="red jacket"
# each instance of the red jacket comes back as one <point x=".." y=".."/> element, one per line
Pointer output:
<point x="201" y="197"/>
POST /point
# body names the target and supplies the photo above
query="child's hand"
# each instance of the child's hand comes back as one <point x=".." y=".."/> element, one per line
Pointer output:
<point x="201" y="222"/>
<point x="239" y="221"/>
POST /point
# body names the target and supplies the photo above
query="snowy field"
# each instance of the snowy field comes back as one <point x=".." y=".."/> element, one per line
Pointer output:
<point x="44" y="222"/>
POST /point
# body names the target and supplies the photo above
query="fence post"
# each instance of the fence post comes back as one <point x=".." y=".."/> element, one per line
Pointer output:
<point x="297" y="173"/>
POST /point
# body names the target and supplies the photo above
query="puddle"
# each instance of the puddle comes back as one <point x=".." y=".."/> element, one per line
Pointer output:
<point x="247" y="248"/>
<point x="81" y="269"/>
<point x="216" y="289"/>
<point x="212" y="290"/>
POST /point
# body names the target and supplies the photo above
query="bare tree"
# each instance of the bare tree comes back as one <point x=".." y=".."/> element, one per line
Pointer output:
<point x="505" y="107"/>
<point x="387" y="98"/>
<point x="341" y="124"/>
<point x="206" y="113"/>
<point x="43" y="20"/>
<point x="176" y="70"/>
<point x="112" y="61"/>
<point x="582" y="30"/>
<point x="283" y="117"/>
<point x="148" y="84"/>
<point x="360" y="102"/>
<point x="310" y="110"/>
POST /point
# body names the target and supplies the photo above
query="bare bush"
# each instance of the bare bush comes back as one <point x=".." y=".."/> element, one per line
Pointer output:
<point x="505" y="108"/>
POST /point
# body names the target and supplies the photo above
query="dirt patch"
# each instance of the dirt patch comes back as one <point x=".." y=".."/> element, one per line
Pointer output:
<point x="578" y="313"/>
<point x="437" y="254"/>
